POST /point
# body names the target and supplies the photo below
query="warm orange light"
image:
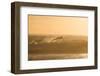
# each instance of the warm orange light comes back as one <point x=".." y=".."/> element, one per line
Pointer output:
<point x="45" y="25"/>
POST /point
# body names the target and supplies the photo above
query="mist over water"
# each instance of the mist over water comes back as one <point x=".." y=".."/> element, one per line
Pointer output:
<point x="49" y="47"/>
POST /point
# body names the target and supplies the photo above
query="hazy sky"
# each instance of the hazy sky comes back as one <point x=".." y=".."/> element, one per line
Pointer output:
<point x="44" y="25"/>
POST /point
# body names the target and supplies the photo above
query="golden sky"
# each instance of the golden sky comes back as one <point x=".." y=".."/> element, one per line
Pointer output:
<point x="45" y="25"/>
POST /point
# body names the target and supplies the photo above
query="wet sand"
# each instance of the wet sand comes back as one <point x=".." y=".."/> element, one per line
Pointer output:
<point x="56" y="56"/>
